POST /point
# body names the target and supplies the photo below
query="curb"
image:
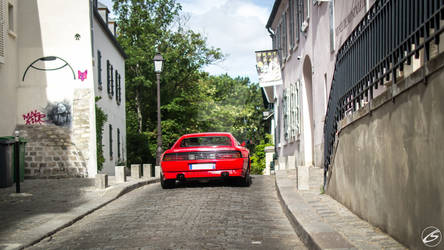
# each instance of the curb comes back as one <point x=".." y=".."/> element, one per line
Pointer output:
<point x="314" y="234"/>
<point x="81" y="215"/>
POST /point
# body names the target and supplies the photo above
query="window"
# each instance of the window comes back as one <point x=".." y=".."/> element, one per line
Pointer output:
<point x="300" y="14"/>
<point x="118" y="144"/>
<point x="118" y="88"/>
<point x="291" y="111"/>
<point x="278" y="42"/>
<point x="108" y="82"/>
<point x="2" y="31"/>
<point x="291" y="17"/>
<point x="99" y="69"/>
<point x="111" y="141"/>
<point x="286" y="113"/>
<point x="297" y="20"/>
<point x="294" y="110"/>
<point x="111" y="82"/>
<point x="205" y="141"/>
<point x="11" y="17"/>
<point x="284" y="35"/>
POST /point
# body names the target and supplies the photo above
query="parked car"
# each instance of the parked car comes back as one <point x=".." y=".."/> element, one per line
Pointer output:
<point x="204" y="156"/>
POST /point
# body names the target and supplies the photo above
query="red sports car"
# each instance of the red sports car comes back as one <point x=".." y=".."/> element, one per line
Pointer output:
<point x="205" y="156"/>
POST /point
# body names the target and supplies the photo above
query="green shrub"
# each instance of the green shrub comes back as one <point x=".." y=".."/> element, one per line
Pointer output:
<point x="258" y="158"/>
<point x="101" y="119"/>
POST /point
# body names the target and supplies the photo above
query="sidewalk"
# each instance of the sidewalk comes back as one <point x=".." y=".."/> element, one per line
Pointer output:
<point x="53" y="205"/>
<point x="323" y="223"/>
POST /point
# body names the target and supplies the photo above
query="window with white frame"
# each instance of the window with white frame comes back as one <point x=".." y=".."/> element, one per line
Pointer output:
<point x="286" y="113"/>
<point x="291" y="111"/>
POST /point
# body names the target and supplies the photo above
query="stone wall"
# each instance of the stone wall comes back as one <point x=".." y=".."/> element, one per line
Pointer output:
<point x="81" y="129"/>
<point x="50" y="152"/>
<point x="388" y="162"/>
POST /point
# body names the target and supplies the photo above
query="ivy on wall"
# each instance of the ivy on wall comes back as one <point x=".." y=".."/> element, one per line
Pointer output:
<point x="101" y="119"/>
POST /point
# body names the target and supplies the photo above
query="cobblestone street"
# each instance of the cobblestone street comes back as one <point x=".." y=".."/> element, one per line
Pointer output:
<point x="191" y="216"/>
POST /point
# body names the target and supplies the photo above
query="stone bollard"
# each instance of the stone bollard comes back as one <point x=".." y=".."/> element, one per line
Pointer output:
<point x="282" y="162"/>
<point x="147" y="171"/>
<point x="157" y="172"/>
<point x="135" y="171"/>
<point x="291" y="162"/>
<point x="269" y="151"/>
<point x="120" y="174"/>
<point x="101" y="181"/>
<point x="303" y="177"/>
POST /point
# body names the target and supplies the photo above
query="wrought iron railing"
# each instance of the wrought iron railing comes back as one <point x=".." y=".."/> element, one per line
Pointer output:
<point x="387" y="38"/>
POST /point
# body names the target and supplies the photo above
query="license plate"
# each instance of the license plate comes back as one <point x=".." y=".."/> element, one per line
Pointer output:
<point x="202" y="166"/>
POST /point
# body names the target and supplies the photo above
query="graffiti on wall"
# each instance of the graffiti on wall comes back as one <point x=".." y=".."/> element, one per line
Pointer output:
<point x="59" y="113"/>
<point x="58" y="62"/>
<point x="82" y="75"/>
<point x="34" y="117"/>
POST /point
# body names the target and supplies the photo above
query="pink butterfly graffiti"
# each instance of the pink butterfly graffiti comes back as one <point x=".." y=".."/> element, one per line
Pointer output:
<point x="82" y="76"/>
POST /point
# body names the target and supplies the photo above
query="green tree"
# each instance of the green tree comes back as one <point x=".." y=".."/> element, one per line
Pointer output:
<point x="147" y="27"/>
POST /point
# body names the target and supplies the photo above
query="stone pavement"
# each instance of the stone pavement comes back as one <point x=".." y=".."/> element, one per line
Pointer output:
<point x="213" y="215"/>
<point x="53" y="204"/>
<point x="323" y="223"/>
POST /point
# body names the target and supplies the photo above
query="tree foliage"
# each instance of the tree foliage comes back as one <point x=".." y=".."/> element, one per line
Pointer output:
<point x="191" y="100"/>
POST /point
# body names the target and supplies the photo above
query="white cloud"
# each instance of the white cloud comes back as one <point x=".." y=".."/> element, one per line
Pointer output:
<point x="235" y="26"/>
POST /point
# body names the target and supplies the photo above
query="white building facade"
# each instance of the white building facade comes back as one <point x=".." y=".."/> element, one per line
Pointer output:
<point x="48" y="72"/>
<point x="306" y="34"/>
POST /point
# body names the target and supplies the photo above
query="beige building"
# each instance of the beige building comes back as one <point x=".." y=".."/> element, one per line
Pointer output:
<point x="49" y="71"/>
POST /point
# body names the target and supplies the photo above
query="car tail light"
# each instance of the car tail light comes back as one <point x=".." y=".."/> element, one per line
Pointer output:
<point x="175" y="157"/>
<point x="228" y="155"/>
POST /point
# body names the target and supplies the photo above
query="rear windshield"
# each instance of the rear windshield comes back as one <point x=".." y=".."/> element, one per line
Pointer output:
<point x="205" y="141"/>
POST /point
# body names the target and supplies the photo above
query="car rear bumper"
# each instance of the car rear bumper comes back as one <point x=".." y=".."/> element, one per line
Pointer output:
<point x="223" y="168"/>
<point x="189" y="175"/>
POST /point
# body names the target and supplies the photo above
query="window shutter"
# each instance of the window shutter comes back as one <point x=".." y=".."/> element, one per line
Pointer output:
<point x="99" y="68"/>
<point x="108" y="80"/>
<point x="112" y="81"/>
<point x="120" y="89"/>
<point x="2" y="30"/>
<point x="111" y="141"/>
<point x="284" y="35"/>
<point x="291" y="8"/>
<point x="298" y="107"/>
<point x="118" y="144"/>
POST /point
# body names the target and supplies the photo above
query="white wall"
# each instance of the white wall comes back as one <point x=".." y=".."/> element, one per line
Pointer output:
<point x="8" y="75"/>
<point x="115" y="113"/>
<point x="49" y="28"/>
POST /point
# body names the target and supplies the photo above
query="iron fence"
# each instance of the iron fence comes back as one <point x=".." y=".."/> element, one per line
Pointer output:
<point x="387" y="38"/>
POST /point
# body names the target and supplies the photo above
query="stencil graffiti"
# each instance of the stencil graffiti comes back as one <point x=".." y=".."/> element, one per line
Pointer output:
<point x="34" y="117"/>
<point x="82" y="75"/>
<point x="59" y="113"/>
<point x="55" y="62"/>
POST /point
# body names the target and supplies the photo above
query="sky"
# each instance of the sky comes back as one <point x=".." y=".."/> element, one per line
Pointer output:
<point x="237" y="27"/>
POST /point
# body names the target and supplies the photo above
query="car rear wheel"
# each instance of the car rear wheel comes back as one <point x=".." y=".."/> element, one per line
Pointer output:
<point x="167" y="184"/>
<point x="246" y="181"/>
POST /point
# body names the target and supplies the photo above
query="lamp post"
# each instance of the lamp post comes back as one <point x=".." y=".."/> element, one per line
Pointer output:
<point x="158" y="64"/>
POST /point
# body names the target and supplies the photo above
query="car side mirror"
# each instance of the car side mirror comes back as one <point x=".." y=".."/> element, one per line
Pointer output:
<point x="243" y="144"/>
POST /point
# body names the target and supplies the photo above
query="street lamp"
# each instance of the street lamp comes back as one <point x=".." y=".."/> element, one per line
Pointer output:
<point x="158" y="64"/>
